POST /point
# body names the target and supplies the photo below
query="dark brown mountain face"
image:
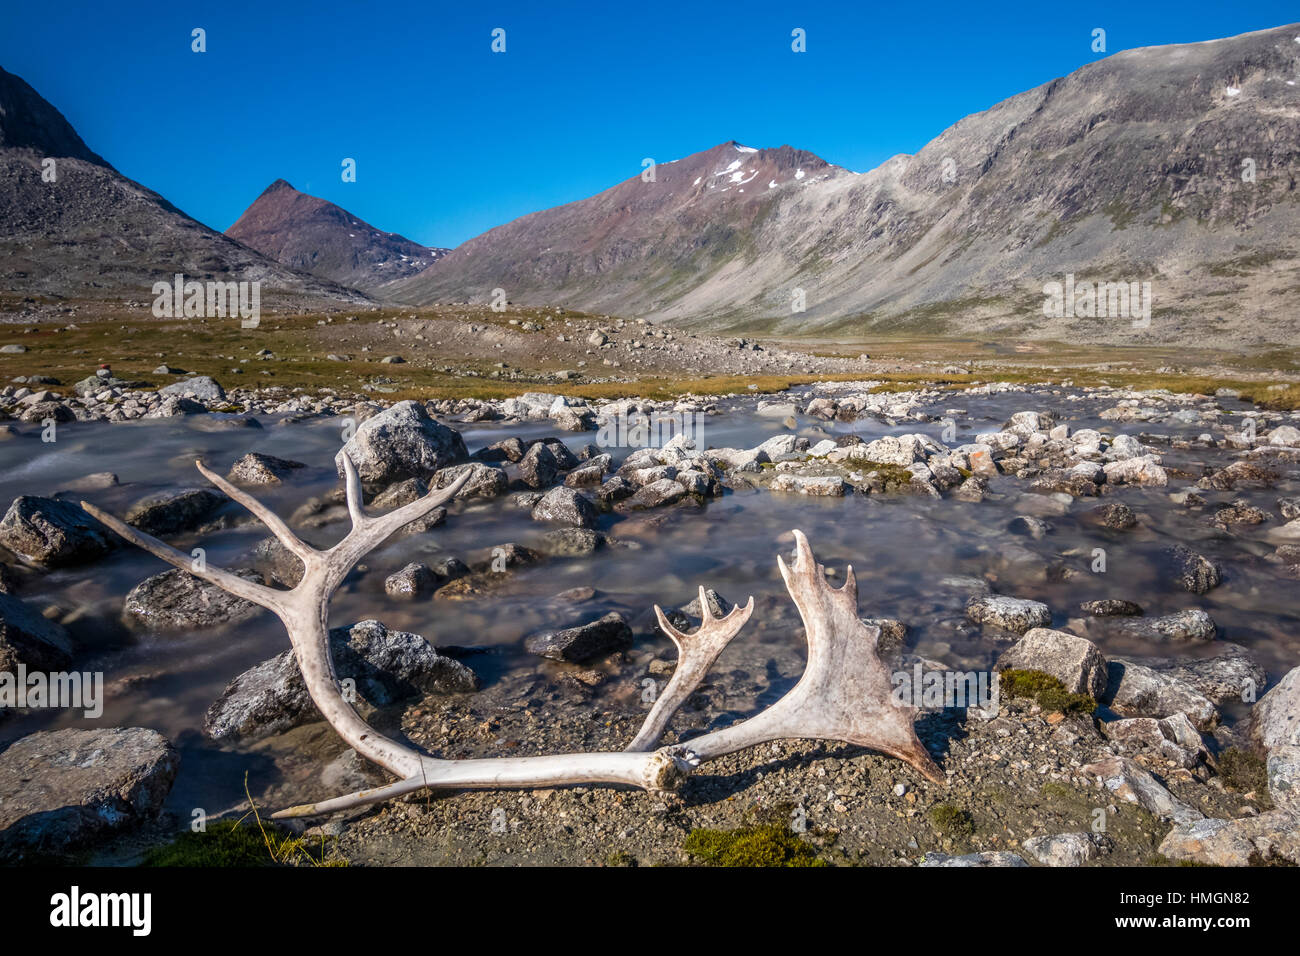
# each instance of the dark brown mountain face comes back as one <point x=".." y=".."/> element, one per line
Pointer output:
<point x="315" y="236"/>
<point x="77" y="228"/>
<point x="1174" y="165"/>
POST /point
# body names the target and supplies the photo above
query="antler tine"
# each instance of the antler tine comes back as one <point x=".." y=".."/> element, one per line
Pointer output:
<point x="696" y="653"/>
<point x="845" y="692"/>
<point x="260" y="511"/>
<point x="356" y="508"/>
<point x="240" y="587"/>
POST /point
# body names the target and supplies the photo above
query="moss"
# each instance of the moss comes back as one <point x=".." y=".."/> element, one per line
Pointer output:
<point x="767" y="845"/>
<point x="952" y="821"/>
<point x="620" y="858"/>
<point x="226" y="843"/>
<point x="1049" y="692"/>
<point x="1243" y="771"/>
<point x="1055" y="790"/>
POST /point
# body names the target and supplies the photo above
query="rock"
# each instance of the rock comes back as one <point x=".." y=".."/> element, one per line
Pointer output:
<point x="1239" y="474"/>
<point x="48" y="411"/>
<point x="901" y="450"/>
<point x="402" y="442"/>
<point x="1133" y="690"/>
<point x="665" y="491"/>
<point x="1191" y="571"/>
<point x="13" y="349"/>
<point x="258" y="469"/>
<point x="998" y="858"/>
<point x="175" y="405"/>
<point x="565" y="505"/>
<point x="450" y="567"/>
<point x="1114" y="515"/>
<point x="1063" y="849"/>
<point x="53" y="533"/>
<point x="170" y="512"/>
<point x="484" y="480"/>
<point x="817" y="486"/>
<point x="1170" y="738"/>
<point x="892" y="633"/>
<point x="96" y="481"/>
<point x="176" y="600"/>
<point x="1222" y="678"/>
<point x="1129" y="782"/>
<point x="1264" y="838"/>
<point x="1287" y="435"/>
<point x="1029" y="527"/>
<point x="1275" y="718"/>
<point x="1008" y="613"/>
<point x="571" y="542"/>
<point x="539" y="468"/>
<point x="387" y="666"/>
<point x="1111" y="607"/>
<point x="1144" y="470"/>
<point x="276" y="562"/>
<point x="28" y="637"/>
<point x="1194" y="625"/>
<point x="1283" y="767"/>
<point x="201" y="387"/>
<point x="583" y="643"/>
<point x="1074" y="661"/>
<point x="511" y="449"/>
<point x="414" y="580"/>
<point x="63" y="790"/>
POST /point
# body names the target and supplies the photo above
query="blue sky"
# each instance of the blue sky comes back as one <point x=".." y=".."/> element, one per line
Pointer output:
<point x="451" y="139"/>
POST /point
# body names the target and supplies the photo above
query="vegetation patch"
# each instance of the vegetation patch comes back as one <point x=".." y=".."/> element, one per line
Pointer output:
<point x="1047" y="690"/>
<point x="767" y="845"/>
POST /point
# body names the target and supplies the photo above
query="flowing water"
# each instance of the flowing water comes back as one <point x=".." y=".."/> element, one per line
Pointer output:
<point x="909" y="554"/>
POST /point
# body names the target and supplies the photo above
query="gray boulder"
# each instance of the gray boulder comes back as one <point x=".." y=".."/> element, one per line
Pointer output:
<point x="584" y="642"/>
<point x="202" y="387"/>
<point x="258" y="469"/>
<point x="54" y="533"/>
<point x="566" y="506"/>
<point x="176" y="600"/>
<point x="388" y="666"/>
<point x="174" y="511"/>
<point x="62" y="790"/>
<point x="402" y="442"/>
<point x="1074" y="661"/>
<point x="1009" y="613"/>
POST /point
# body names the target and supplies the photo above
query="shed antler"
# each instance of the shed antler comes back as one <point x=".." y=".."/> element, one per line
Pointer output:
<point x="845" y="692"/>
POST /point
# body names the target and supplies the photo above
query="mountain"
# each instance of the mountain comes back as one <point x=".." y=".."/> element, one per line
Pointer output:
<point x="93" y="233"/>
<point x="1130" y="169"/>
<point x="312" y="235"/>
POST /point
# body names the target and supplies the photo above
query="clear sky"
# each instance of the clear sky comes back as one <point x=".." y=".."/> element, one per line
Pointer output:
<point x="451" y="139"/>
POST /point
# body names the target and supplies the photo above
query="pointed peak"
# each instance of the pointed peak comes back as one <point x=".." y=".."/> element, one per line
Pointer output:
<point x="277" y="186"/>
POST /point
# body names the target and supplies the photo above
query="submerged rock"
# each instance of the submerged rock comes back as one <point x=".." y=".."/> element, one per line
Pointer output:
<point x="258" y="469"/>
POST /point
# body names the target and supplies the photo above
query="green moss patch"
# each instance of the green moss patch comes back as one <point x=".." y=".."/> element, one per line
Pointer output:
<point x="1047" y="690"/>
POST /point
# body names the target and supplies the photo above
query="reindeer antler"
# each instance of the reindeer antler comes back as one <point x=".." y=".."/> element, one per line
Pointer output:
<point x="843" y="695"/>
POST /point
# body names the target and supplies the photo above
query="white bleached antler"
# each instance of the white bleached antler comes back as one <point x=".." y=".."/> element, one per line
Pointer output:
<point x="844" y="694"/>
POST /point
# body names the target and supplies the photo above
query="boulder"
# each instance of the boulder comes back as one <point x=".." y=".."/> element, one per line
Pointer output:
<point x="402" y="442"/>
<point x="584" y="642"/>
<point x="1275" y="718"/>
<point x="258" y="469"/>
<point x="1133" y="690"/>
<point x="1008" y="613"/>
<point x="484" y="480"/>
<point x="53" y="533"/>
<point x="386" y="665"/>
<point x="1074" y="661"/>
<point x="1063" y="849"/>
<point x="63" y="790"/>
<point x="1130" y="782"/>
<point x="174" y="511"/>
<point x="538" y="468"/>
<point x="202" y="387"/>
<point x="566" y="506"/>
<point x="176" y="600"/>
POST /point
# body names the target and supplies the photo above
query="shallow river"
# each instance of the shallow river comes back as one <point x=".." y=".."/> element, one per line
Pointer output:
<point x="902" y="550"/>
